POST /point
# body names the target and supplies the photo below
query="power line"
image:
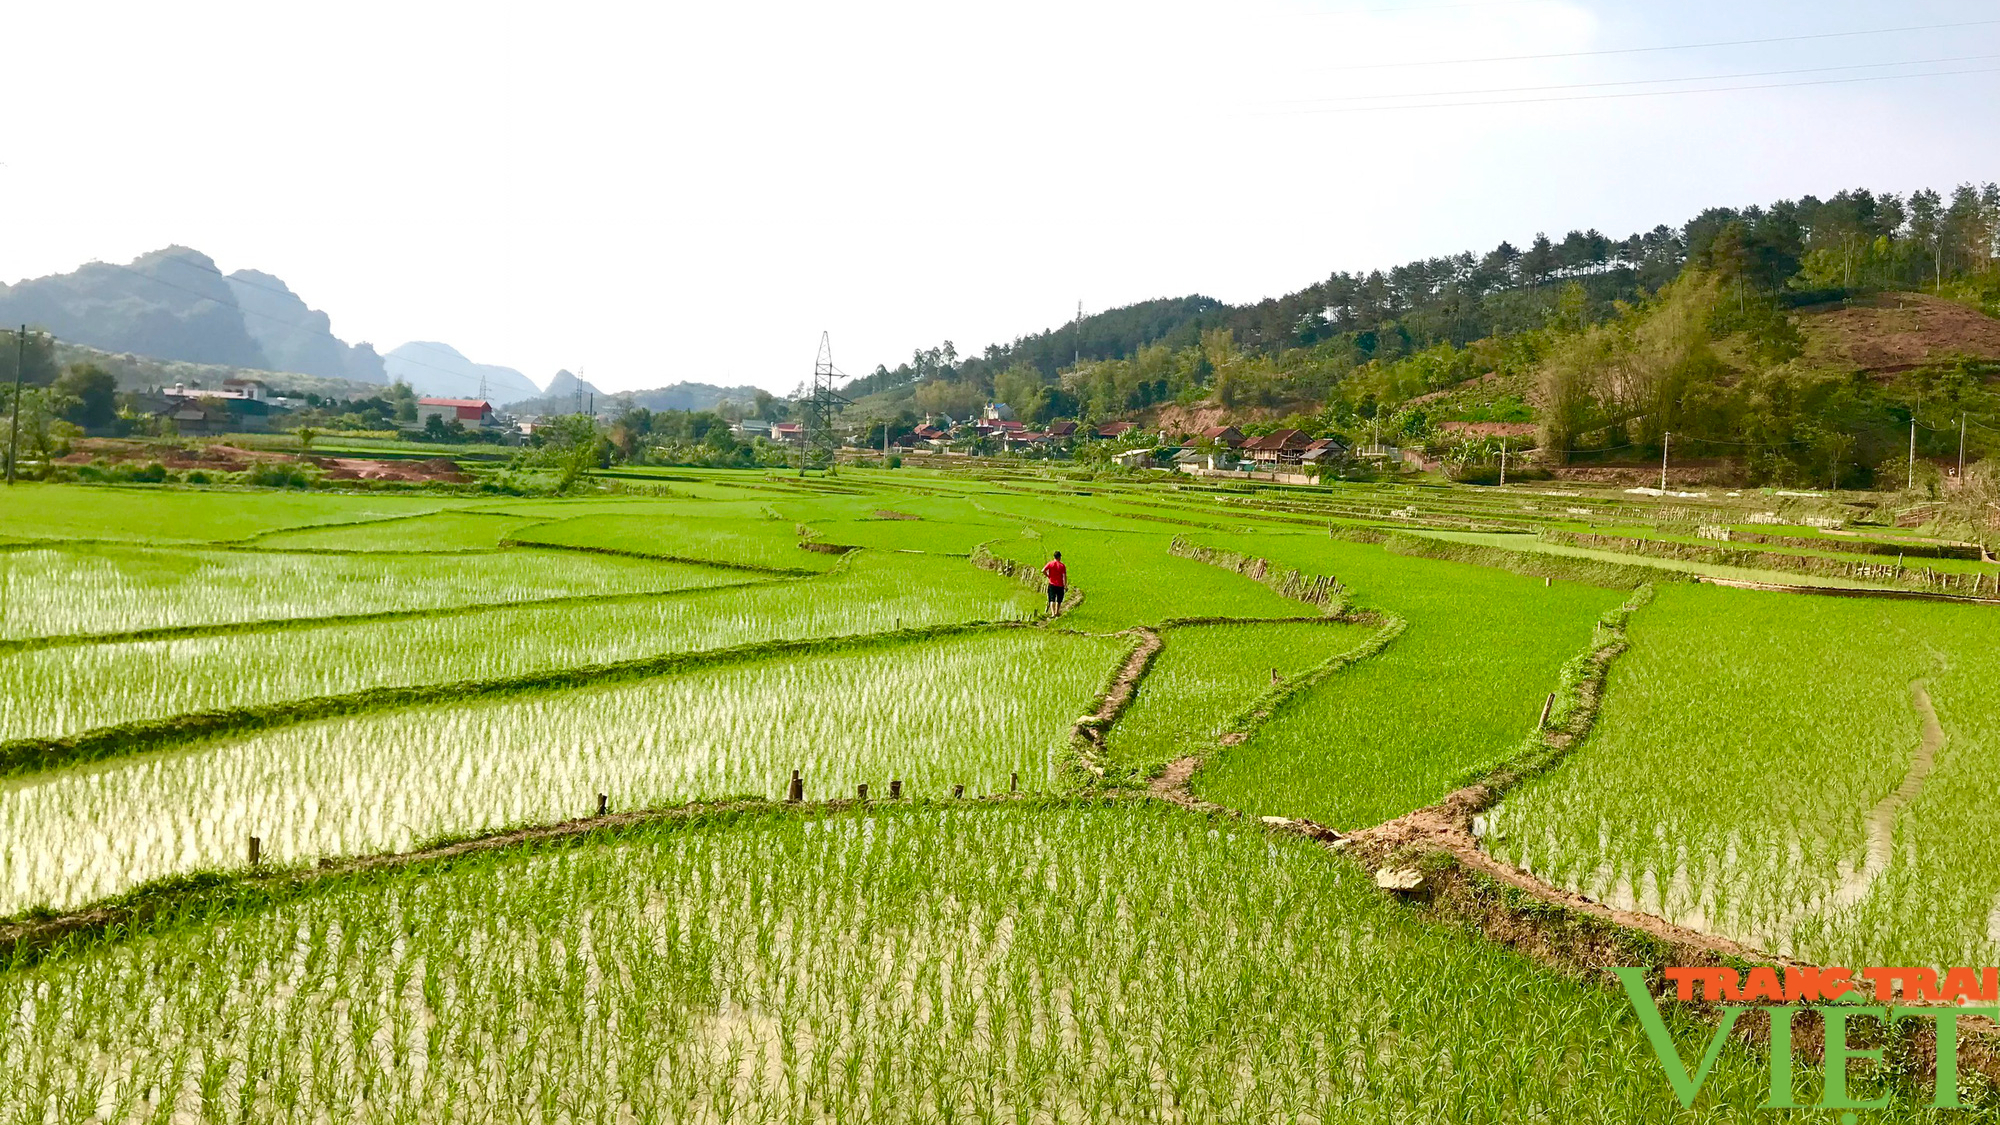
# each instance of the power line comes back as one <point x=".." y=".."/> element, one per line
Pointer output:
<point x="1652" y="93"/>
<point x="1670" y="47"/>
<point x="1642" y="81"/>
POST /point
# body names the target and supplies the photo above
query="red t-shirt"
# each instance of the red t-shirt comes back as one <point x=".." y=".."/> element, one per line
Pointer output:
<point x="1055" y="572"/>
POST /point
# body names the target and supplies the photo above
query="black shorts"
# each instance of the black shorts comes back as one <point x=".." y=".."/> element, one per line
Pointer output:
<point x="1056" y="594"/>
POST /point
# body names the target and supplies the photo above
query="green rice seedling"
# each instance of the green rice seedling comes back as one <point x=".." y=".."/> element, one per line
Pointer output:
<point x="70" y="591"/>
<point x="175" y="515"/>
<point x="976" y="710"/>
<point x="1758" y="771"/>
<point x="1516" y="542"/>
<point x="62" y="691"/>
<point x="889" y="533"/>
<point x="1128" y="578"/>
<point x="1206" y="675"/>
<point x="1447" y="699"/>
<point x="768" y="544"/>
<point x="1013" y="962"/>
<point x="469" y="530"/>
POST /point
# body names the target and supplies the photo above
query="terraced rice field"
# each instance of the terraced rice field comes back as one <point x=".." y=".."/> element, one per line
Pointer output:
<point x="920" y="964"/>
<point x="978" y="710"/>
<point x="769" y="543"/>
<point x="1450" y="697"/>
<point x="439" y="925"/>
<point x="55" y="692"/>
<point x="1814" y="823"/>
<point x="96" y="589"/>
<point x="1207" y="676"/>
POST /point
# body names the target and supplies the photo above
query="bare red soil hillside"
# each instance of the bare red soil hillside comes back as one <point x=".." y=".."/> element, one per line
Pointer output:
<point x="1894" y="332"/>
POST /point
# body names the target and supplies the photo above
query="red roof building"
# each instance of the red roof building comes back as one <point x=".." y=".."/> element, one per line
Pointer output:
<point x="1062" y="429"/>
<point x="1116" y="429"/>
<point x="471" y="411"/>
<point x="1224" y="435"/>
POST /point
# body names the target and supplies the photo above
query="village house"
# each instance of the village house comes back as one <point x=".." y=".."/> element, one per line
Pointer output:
<point x="473" y="413"/>
<point x="1227" y="436"/>
<point x="1281" y="447"/>
<point x="788" y="433"/>
<point x="1061" y="429"/>
<point x="203" y="416"/>
<point x="1323" y="451"/>
<point x="1116" y="429"/>
<point x="240" y="404"/>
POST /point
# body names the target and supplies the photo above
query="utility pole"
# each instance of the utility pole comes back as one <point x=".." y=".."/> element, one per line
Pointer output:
<point x="14" y="428"/>
<point x="1961" y="449"/>
<point x="1666" y="443"/>
<point x="1911" y="486"/>
<point x="1503" y="462"/>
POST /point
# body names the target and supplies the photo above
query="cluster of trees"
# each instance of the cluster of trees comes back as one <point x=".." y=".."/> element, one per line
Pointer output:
<point x="640" y="436"/>
<point x="55" y="403"/>
<point x="1686" y="329"/>
<point x="1716" y="358"/>
<point x="1853" y="240"/>
<point x="396" y="406"/>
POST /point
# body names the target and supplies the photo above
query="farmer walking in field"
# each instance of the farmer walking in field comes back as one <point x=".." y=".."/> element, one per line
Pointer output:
<point x="1058" y="576"/>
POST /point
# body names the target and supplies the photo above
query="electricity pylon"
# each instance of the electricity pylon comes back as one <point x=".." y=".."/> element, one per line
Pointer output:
<point x="822" y="403"/>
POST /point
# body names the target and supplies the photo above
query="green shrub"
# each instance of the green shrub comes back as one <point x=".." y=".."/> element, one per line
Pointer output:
<point x="279" y="475"/>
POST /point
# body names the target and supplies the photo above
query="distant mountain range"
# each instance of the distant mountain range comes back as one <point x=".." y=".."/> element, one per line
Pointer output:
<point x="431" y="368"/>
<point x="176" y="306"/>
<point x="562" y="397"/>
<point x="172" y="303"/>
<point x="295" y="337"/>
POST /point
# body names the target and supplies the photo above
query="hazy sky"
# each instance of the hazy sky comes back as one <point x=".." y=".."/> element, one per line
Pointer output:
<point x="658" y="192"/>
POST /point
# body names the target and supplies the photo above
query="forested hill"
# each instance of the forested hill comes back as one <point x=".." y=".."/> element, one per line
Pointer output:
<point x="1368" y="353"/>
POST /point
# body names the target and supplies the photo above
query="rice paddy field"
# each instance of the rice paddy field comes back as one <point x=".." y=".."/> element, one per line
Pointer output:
<point x="719" y="796"/>
<point x="57" y="592"/>
<point x="1821" y="823"/>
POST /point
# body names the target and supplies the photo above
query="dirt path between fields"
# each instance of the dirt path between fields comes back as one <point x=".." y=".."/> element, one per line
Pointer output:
<point x="1882" y="818"/>
<point x="1512" y="907"/>
<point x="1088" y="733"/>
